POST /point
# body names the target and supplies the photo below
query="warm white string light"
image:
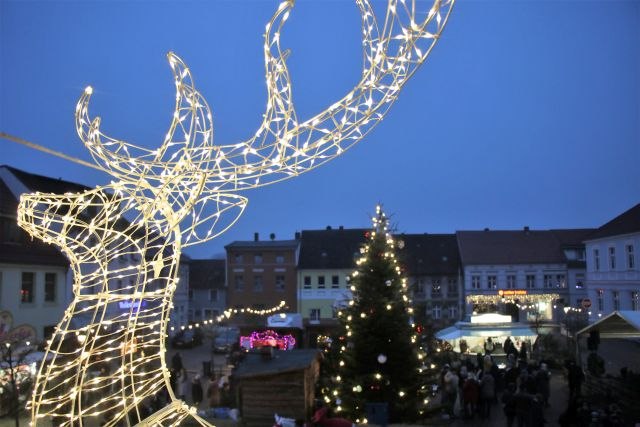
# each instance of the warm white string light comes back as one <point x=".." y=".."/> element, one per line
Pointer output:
<point x="104" y="362"/>
<point x="228" y="313"/>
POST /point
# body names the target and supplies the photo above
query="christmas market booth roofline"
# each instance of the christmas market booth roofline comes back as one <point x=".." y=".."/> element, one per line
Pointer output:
<point x="480" y="327"/>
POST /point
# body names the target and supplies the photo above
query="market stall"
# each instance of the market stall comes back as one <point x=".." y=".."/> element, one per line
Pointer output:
<point x="473" y="334"/>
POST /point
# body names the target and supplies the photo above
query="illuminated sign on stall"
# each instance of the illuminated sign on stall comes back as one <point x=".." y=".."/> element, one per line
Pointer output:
<point x="511" y="292"/>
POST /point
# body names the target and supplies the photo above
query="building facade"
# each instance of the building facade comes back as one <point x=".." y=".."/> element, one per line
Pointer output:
<point x="526" y="274"/>
<point x="432" y="263"/>
<point x="35" y="280"/>
<point x="261" y="274"/>
<point x="327" y="259"/>
<point x="613" y="274"/>
<point x="207" y="293"/>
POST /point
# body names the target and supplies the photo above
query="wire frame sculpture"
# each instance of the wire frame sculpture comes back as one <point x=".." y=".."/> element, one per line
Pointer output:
<point x="124" y="239"/>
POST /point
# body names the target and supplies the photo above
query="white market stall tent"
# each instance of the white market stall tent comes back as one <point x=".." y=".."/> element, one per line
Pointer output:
<point x="482" y="326"/>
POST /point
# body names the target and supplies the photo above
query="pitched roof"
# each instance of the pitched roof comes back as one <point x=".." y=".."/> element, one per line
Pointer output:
<point x="206" y="273"/>
<point x="45" y="184"/>
<point x="510" y="247"/>
<point x="625" y="223"/>
<point x="254" y="363"/>
<point x="573" y="237"/>
<point x="430" y="254"/>
<point x="331" y="248"/>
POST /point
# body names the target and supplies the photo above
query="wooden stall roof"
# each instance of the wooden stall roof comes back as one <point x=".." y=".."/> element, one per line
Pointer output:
<point x="255" y="364"/>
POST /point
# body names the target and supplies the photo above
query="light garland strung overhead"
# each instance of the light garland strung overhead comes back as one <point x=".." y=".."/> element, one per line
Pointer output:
<point x="228" y="313"/>
<point x="180" y="194"/>
<point x="525" y="298"/>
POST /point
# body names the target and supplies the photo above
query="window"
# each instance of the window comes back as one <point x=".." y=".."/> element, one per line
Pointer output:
<point x="596" y="260"/>
<point x="320" y="282"/>
<point x="213" y="295"/>
<point x="314" y="314"/>
<point x="257" y="258"/>
<point x="436" y="312"/>
<point x="335" y="281"/>
<point x="436" y="288"/>
<point x="634" y="300"/>
<point x="548" y="281"/>
<point x="452" y="287"/>
<point x="531" y="281"/>
<point x="279" y="259"/>
<point x="50" y="287"/>
<point x="511" y="281"/>
<point x="492" y="282"/>
<point x="631" y="261"/>
<point x="280" y="283"/>
<point x="307" y="282"/>
<point x="612" y="258"/>
<point x="453" y="311"/>
<point x="26" y="290"/>
<point x="616" y="300"/>
<point x="419" y="287"/>
<point x="257" y="284"/>
<point x="579" y="281"/>
<point x="238" y="281"/>
<point x="475" y="282"/>
<point x="600" y="293"/>
<point x="239" y="259"/>
<point x="561" y="281"/>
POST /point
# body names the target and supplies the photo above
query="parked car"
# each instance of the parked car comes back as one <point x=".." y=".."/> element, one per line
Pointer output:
<point x="225" y="339"/>
<point x="188" y="338"/>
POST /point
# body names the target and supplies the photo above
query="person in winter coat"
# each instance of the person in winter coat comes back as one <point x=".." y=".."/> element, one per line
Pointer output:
<point x="524" y="403"/>
<point x="509" y="403"/>
<point x="183" y="385"/>
<point x="196" y="391"/>
<point x="487" y="394"/>
<point x="213" y="392"/>
<point x="470" y="395"/>
<point x="543" y="378"/>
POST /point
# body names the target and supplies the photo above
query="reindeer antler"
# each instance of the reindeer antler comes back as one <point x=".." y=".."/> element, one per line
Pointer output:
<point x="282" y="147"/>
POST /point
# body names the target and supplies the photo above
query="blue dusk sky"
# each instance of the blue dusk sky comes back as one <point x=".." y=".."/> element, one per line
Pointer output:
<point x="526" y="112"/>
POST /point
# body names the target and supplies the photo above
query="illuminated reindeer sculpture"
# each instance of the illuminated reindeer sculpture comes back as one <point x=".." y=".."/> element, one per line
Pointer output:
<point x="106" y="360"/>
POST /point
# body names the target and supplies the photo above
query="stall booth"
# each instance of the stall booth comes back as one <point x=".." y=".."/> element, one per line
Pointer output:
<point x="474" y="332"/>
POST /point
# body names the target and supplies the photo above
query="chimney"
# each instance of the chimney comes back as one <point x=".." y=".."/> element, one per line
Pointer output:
<point x="486" y="229"/>
<point x="256" y="237"/>
<point x="297" y="235"/>
<point x="526" y="228"/>
<point x="341" y="227"/>
<point x="272" y="236"/>
<point x="328" y="228"/>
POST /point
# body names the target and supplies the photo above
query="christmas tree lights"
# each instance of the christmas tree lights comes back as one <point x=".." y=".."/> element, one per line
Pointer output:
<point x="377" y="357"/>
<point x="105" y="361"/>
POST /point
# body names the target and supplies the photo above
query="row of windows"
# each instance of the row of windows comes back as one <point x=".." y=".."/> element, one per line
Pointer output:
<point x="615" y="299"/>
<point x="321" y="282"/>
<point x="550" y="281"/>
<point x="438" y="312"/>
<point x="630" y="260"/>
<point x="257" y="258"/>
<point x="28" y="287"/>
<point x="436" y="287"/>
<point x="258" y="283"/>
<point x="212" y="295"/>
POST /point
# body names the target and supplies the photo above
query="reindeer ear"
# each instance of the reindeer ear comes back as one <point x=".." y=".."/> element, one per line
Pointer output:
<point x="211" y="216"/>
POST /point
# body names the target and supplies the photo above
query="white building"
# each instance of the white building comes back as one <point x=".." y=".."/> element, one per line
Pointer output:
<point x="613" y="273"/>
<point x="35" y="282"/>
<point x="528" y="274"/>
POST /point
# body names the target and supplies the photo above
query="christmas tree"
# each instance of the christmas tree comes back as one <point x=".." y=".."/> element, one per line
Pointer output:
<point x="375" y="357"/>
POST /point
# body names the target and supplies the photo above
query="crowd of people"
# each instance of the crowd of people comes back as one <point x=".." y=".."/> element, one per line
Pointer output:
<point x="475" y="388"/>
